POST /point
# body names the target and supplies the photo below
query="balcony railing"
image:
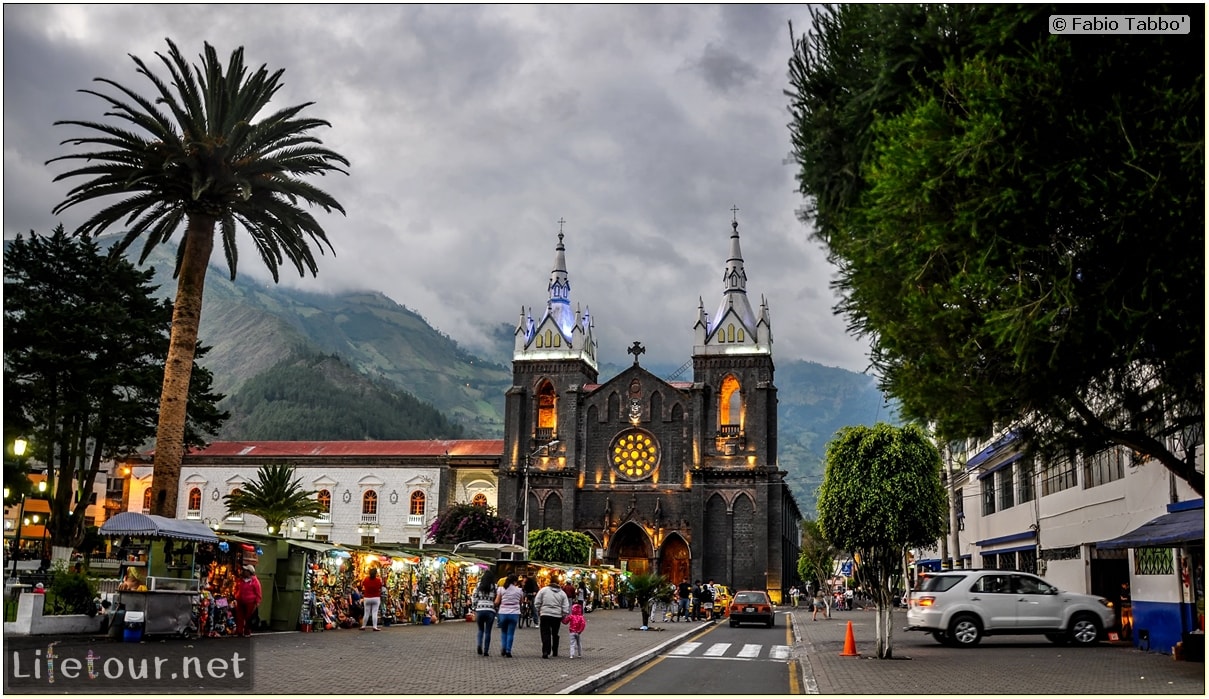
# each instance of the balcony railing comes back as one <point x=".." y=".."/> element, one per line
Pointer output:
<point x="544" y="435"/>
<point x="324" y="518"/>
<point x="367" y="518"/>
<point x="729" y="430"/>
<point x="192" y="514"/>
<point x="415" y="520"/>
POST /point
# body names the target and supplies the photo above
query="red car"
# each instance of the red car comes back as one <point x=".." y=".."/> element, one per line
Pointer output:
<point x="752" y="606"/>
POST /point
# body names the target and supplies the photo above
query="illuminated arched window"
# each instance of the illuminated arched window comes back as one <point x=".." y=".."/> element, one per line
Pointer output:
<point x="547" y="413"/>
<point x="730" y="407"/>
<point x="369" y="503"/>
<point x="479" y="500"/>
<point x="194" y="498"/>
<point x="417" y="503"/>
<point x="730" y="332"/>
<point x="147" y="500"/>
<point x="236" y="516"/>
<point x="325" y="500"/>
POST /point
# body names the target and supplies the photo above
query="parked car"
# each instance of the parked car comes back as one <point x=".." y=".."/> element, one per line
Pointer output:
<point x="722" y="599"/>
<point x="960" y="607"/>
<point x="752" y="606"/>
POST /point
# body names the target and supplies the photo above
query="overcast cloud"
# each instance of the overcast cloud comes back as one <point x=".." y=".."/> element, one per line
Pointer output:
<point x="472" y="130"/>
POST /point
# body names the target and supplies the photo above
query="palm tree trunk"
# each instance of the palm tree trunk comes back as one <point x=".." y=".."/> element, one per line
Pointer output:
<point x="186" y="316"/>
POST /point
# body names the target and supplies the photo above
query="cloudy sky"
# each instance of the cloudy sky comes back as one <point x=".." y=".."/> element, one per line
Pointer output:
<point x="472" y="130"/>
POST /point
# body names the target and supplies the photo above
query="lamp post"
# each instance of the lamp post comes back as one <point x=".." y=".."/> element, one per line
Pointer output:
<point x="20" y="446"/>
<point x="528" y="461"/>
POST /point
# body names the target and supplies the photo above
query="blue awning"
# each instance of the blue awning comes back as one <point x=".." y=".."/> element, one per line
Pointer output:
<point x="154" y="526"/>
<point x="986" y="454"/>
<point x="1172" y="528"/>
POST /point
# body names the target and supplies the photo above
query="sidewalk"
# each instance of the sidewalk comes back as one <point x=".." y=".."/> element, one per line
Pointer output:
<point x="999" y="665"/>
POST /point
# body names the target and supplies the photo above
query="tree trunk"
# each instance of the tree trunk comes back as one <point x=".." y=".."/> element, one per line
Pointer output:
<point x="186" y="316"/>
<point x="645" y="608"/>
<point x="885" y="630"/>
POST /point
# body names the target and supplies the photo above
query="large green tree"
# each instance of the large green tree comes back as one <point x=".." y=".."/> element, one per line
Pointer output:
<point x="84" y="344"/>
<point x="1017" y="218"/>
<point x="816" y="562"/>
<point x="276" y="496"/>
<point x="881" y="495"/>
<point x="195" y="155"/>
<point x="560" y="546"/>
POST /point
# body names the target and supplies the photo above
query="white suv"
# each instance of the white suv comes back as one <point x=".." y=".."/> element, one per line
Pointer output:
<point x="960" y="607"/>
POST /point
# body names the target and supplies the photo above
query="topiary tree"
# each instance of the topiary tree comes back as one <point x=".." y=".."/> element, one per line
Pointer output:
<point x="882" y="494"/>
<point x="561" y="546"/>
<point x="464" y="521"/>
<point x="646" y="588"/>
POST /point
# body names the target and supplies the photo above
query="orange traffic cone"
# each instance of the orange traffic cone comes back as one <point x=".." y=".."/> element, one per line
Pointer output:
<point x="849" y="644"/>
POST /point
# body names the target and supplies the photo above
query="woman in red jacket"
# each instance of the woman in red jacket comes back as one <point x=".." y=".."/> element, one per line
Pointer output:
<point x="247" y="600"/>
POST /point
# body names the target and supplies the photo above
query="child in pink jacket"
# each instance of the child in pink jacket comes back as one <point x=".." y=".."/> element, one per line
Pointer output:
<point x="576" y="623"/>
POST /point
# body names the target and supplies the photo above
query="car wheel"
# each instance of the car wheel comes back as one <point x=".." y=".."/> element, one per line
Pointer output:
<point x="1057" y="638"/>
<point x="941" y="637"/>
<point x="1084" y="630"/>
<point x="965" y="630"/>
<point x="733" y="623"/>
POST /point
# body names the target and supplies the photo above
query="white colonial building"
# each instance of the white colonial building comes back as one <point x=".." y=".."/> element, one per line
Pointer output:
<point x="370" y="491"/>
<point x="1111" y="525"/>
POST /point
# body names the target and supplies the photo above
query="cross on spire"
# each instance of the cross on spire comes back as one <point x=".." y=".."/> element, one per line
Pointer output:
<point x="561" y="221"/>
<point x="734" y="211"/>
<point x="636" y="349"/>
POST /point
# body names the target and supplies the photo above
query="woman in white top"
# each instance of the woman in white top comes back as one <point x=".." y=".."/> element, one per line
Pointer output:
<point x="508" y="600"/>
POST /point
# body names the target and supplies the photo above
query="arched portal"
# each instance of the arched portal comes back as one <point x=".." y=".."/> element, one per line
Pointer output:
<point x="674" y="562"/>
<point x="632" y="549"/>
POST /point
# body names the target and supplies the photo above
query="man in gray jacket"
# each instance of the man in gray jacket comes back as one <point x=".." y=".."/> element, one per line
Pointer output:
<point x="552" y="605"/>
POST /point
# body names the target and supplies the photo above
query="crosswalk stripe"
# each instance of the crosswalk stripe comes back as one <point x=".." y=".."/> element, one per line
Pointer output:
<point x="750" y="650"/>
<point x="779" y="652"/>
<point x="717" y="650"/>
<point x="685" y="649"/>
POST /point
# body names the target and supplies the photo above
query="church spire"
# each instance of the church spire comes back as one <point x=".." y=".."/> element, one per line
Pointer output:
<point x="562" y="330"/>
<point x="734" y="283"/>
<point x="735" y="327"/>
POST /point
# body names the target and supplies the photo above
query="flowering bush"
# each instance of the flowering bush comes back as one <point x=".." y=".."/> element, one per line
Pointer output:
<point x="467" y="522"/>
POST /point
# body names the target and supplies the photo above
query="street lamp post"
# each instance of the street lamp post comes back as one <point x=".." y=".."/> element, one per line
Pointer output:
<point x="528" y="461"/>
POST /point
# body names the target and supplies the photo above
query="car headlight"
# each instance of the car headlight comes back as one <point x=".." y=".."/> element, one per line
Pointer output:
<point x="1105" y="602"/>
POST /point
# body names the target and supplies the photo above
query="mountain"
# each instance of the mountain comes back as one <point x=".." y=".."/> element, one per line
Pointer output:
<point x="363" y="348"/>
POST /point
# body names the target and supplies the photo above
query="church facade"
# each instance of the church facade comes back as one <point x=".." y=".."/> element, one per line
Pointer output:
<point x="675" y="477"/>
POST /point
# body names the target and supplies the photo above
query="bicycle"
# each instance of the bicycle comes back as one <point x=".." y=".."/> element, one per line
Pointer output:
<point x="528" y="619"/>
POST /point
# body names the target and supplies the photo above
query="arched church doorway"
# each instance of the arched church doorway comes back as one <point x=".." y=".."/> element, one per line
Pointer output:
<point x="674" y="561"/>
<point x="633" y="549"/>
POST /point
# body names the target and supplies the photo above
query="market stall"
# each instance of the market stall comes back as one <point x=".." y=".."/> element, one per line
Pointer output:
<point x="219" y="567"/>
<point x="166" y="602"/>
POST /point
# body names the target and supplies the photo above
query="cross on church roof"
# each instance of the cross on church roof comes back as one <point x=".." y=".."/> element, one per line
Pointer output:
<point x="636" y="349"/>
<point x="734" y="212"/>
<point x="561" y="221"/>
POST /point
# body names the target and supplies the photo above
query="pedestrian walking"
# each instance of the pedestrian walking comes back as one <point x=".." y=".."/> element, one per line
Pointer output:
<point x="818" y="604"/>
<point x="683" y="591"/>
<point x="552" y="605"/>
<point x="247" y="600"/>
<point x="371" y="599"/>
<point x="697" y="594"/>
<point x="484" y="614"/>
<point x="794" y="593"/>
<point x="508" y="601"/>
<point x="576" y="624"/>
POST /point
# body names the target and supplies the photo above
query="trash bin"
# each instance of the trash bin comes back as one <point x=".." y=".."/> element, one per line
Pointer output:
<point x="134" y="624"/>
<point x="117" y="623"/>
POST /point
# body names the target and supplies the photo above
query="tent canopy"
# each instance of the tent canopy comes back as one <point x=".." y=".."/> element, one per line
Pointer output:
<point x="1172" y="528"/>
<point x="138" y="524"/>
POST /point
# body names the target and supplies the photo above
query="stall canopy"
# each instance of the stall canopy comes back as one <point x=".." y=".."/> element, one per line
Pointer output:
<point x="1171" y="528"/>
<point x="137" y="524"/>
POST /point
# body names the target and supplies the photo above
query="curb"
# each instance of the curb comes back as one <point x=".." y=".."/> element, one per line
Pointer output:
<point x="591" y="684"/>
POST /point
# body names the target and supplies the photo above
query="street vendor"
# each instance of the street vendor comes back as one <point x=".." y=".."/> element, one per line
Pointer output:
<point x="131" y="582"/>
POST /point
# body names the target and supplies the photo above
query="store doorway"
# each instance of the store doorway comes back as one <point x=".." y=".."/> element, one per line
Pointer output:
<point x="1110" y="580"/>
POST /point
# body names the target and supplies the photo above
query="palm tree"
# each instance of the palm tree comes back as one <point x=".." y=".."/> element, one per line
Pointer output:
<point x="646" y="588"/>
<point x="194" y="155"/>
<point x="275" y="496"/>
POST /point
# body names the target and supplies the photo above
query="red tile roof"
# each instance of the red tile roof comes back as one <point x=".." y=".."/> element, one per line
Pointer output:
<point x="416" y="447"/>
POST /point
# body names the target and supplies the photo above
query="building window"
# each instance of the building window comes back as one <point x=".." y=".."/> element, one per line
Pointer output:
<point x="147" y="500"/>
<point x="1028" y="561"/>
<point x="369" y="503"/>
<point x="417" y="503"/>
<point x="547" y="411"/>
<point x="959" y="504"/>
<point x="1153" y="561"/>
<point x="1103" y="467"/>
<point x="479" y="500"/>
<point x="1026" y="481"/>
<point x="1059" y="474"/>
<point x="194" y="499"/>
<point x="1007" y="489"/>
<point x="988" y="496"/>
<point x="368" y="540"/>
<point x="730" y="407"/>
<point x="325" y="501"/>
<point x="236" y="516"/>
